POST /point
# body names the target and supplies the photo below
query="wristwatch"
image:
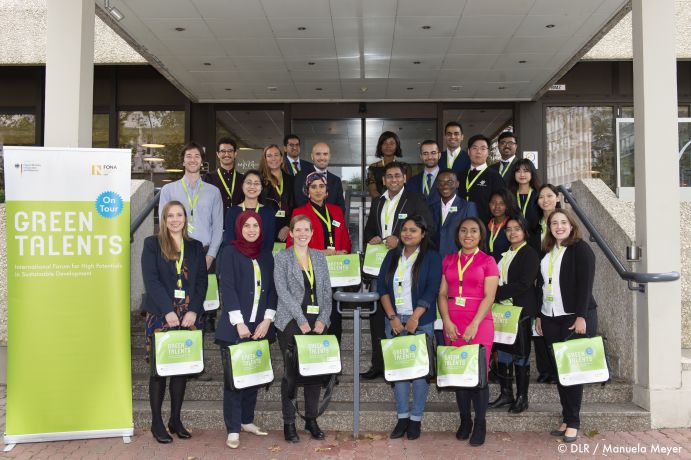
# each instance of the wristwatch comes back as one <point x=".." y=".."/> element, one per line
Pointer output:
<point x="391" y="317"/>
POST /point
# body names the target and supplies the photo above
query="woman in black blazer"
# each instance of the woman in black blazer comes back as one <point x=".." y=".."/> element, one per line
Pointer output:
<point x="524" y="184"/>
<point x="278" y="191"/>
<point x="518" y="271"/>
<point x="249" y="306"/>
<point x="175" y="279"/>
<point x="569" y="310"/>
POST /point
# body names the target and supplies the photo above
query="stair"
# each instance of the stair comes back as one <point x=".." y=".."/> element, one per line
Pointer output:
<point x="605" y="408"/>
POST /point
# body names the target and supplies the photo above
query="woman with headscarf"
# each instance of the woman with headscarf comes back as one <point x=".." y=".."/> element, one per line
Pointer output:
<point x="249" y="306"/>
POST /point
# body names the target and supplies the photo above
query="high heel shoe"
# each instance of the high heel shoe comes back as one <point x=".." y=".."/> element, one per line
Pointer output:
<point x="160" y="433"/>
<point x="180" y="430"/>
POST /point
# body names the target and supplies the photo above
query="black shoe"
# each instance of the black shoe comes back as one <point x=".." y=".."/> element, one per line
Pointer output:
<point x="313" y="429"/>
<point x="465" y="428"/>
<point x="179" y="430"/>
<point x="479" y="431"/>
<point x="372" y="374"/>
<point x="522" y="384"/>
<point x="542" y="378"/>
<point x="160" y="433"/>
<point x="290" y="433"/>
<point x="505" y="377"/>
<point x="552" y="379"/>
<point x="570" y="439"/>
<point x="400" y="429"/>
<point x="414" y="429"/>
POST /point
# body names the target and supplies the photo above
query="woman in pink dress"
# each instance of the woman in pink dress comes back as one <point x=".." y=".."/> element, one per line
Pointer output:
<point x="466" y="295"/>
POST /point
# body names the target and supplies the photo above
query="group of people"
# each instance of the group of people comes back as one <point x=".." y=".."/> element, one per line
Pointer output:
<point x="461" y="236"/>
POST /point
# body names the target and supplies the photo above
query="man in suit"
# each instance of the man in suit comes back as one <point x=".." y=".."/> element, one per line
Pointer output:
<point x="448" y="211"/>
<point x="478" y="182"/>
<point x="424" y="182"/>
<point x="453" y="157"/>
<point x="293" y="163"/>
<point x="508" y="144"/>
<point x="321" y="154"/>
<point x="384" y="223"/>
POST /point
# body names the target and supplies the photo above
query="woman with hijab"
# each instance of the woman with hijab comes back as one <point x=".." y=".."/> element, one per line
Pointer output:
<point x="252" y="189"/>
<point x="249" y="307"/>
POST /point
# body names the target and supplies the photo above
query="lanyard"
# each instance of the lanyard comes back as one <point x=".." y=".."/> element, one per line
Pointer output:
<point x="178" y="263"/>
<point x="425" y="185"/>
<point x="461" y="270"/>
<point x="294" y="168"/>
<point x="279" y="189"/>
<point x="550" y="266"/>
<point x="494" y="234"/>
<point x="524" y="208"/>
<point x="506" y="261"/>
<point x="257" y="282"/>
<point x="402" y="268"/>
<point x="392" y="204"/>
<point x="450" y="158"/>
<point x="309" y="271"/>
<point x="503" y="168"/>
<point x="327" y="221"/>
<point x="190" y="201"/>
<point x="469" y="185"/>
<point x="223" y="181"/>
<point x="543" y="228"/>
<point x="242" y="205"/>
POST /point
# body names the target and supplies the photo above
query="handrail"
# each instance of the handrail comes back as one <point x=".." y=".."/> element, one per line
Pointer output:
<point x="139" y="220"/>
<point x="640" y="278"/>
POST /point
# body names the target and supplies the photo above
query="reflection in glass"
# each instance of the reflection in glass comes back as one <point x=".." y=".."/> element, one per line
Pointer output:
<point x="100" y="130"/>
<point x="252" y="130"/>
<point x="580" y="144"/>
<point x="17" y="129"/>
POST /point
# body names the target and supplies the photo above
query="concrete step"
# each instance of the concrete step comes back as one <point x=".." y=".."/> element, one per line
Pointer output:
<point x="381" y="391"/>
<point x="439" y="416"/>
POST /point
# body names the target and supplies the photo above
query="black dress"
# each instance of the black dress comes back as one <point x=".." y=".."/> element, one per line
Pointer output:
<point x="281" y="203"/>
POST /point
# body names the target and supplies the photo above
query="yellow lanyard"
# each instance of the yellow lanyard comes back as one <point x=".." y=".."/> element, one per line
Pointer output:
<point x="450" y="159"/>
<point x="387" y="210"/>
<point x="178" y="263"/>
<point x="223" y="181"/>
<point x="279" y="189"/>
<point x="524" y="208"/>
<point x="494" y="234"/>
<point x="327" y="221"/>
<point x="309" y="271"/>
<point x="190" y="201"/>
<point x="550" y="266"/>
<point x="461" y="270"/>
<point x="292" y="166"/>
<point x="506" y="261"/>
<point x="400" y="271"/>
<point x="469" y="185"/>
<point x="242" y="205"/>
<point x="503" y="169"/>
<point x="425" y="186"/>
<point x="257" y="282"/>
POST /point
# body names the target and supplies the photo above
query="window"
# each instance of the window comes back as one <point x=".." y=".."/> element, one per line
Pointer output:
<point x="17" y="129"/>
<point x="100" y="130"/>
<point x="252" y="130"/>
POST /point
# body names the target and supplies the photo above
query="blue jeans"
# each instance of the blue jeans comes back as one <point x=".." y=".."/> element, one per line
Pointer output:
<point x="401" y="389"/>
<point x="508" y="359"/>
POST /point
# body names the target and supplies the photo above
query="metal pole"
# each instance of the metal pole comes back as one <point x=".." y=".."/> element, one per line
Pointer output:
<point x="356" y="372"/>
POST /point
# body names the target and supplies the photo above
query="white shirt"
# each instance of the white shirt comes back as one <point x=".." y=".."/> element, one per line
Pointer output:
<point x="478" y="168"/>
<point x="556" y="307"/>
<point x="390" y="205"/>
<point x="320" y="171"/>
<point x="407" y="307"/>
<point x="446" y="208"/>
<point x="434" y="171"/>
<point x="235" y="316"/>
<point x="451" y="156"/>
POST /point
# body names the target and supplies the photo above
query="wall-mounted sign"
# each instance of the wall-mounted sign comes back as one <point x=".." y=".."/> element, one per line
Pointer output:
<point x="558" y="87"/>
<point x="532" y="156"/>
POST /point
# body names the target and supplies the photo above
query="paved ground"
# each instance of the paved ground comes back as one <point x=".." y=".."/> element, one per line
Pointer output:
<point x="210" y="444"/>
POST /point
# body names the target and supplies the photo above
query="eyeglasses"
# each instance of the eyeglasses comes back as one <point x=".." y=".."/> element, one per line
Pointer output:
<point x="224" y="152"/>
<point x="253" y="184"/>
<point x="507" y="143"/>
<point x="293" y="146"/>
<point x="394" y="176"/>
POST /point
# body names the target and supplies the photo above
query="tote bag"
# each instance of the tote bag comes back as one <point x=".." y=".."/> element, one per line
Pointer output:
<point x="408" y="357"/>
<point x="461" y="367"/>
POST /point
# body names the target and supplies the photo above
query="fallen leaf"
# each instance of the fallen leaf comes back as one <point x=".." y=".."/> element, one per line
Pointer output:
<point x="591" y="433"/>
<point x="275" y="448"/>
<point x="506" y="439"/>
<point x="373" y="437"/>
<point x="322" y="449"/>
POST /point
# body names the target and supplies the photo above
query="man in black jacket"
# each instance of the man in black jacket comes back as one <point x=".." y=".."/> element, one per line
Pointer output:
<point x="384" y="223"/>
<point x="479" y="181"/>
<point x="508" y="144"/>
<point x="321" y="154"/>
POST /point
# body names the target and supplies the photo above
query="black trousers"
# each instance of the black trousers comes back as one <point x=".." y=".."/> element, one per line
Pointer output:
<point x="556" y="329"/>
<point x="376" y="331"/>
<point x="286" y="342"/>
<point x="545" y="365"/>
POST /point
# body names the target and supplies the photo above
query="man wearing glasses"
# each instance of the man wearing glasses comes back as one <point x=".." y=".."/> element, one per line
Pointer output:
<point x="507" y="149"/>
<point x="225" y="177"/>
<point x="479" y="182"/>
<point x="293" y="163"/>
<point x="384" y="223"/>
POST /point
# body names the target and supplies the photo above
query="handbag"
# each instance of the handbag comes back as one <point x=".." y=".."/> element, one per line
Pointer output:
<point x="177" y="352"/>
<point x="408" y="357"/>
<point x="462" y="367"/>
<point x="212" y="300"/>
<point x="247" y="364"/>
<point x="505" y="318"/>
<point x="581" y="361"/>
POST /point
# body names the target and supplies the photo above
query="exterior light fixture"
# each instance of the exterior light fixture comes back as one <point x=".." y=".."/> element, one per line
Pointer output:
<point x="114" y="12"/>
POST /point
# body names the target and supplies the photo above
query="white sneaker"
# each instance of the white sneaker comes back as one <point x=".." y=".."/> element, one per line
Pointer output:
<point x="254" y="429"/>
<point x="233" y="440"/>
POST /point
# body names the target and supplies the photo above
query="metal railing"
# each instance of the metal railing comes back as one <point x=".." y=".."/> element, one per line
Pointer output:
<point x="636" y="280"/>
<point x="139" y="220"/>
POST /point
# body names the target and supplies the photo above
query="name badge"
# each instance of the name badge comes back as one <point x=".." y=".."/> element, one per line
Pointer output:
<point x="397" y="279"/>
<point x="453" y="209"/>
<point x="179" y="294"/>
<point x="400" y="301"/>
<point x="402" y="216"/>
<point x="280" y="213"/>
<point x="460" y="301"/>
<point x="333" y="248"/>
<point x="312" y="309"/>
<point x="550" y="293"/>
<point x="336" y="223"/>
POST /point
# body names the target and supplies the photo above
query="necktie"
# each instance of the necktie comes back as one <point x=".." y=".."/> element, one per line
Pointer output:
<point x="473" y="173"/>
<point x="504" y="166"/>
<point x="297" y="165"/>
<point x="429" y="184"/>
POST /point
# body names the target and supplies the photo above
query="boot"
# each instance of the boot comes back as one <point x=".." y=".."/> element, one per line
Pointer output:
<point x="400" y="429"/>
<point x="313" y="428"/>
<point x="504" y="374"/>
<point x="290" y="433"/>
<point x="479" y="431"/>
<point x="414" y="429"/>
<point x="465" y="428"/>
<point x="522" y="379"/>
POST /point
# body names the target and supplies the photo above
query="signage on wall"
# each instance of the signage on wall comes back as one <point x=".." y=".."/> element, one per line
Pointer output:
<point x="532" y="156"/>
<point x="558" y="87"/>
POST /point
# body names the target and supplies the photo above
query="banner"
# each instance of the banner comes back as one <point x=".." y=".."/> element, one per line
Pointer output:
<point x="211" y="301"/>
<point x="178" y="352"/>
<point x="318" y="354"/>
<point x="68" y="263"/>
<point x="505" y="319"/>
<point x="581" y="361"/>
<point x="406" y="357"/>
<point x="250" y="364"/>
<point x="374" y="256"/>
<point x="344" y="270"/>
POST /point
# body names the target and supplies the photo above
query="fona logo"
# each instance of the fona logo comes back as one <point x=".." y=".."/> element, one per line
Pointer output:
<point x="188" y="342"/>
<point x="326" y="343"/>
<point x="413" y="348"/>
<point x="507" y="314"/>
<point x="464" y="355"/>
<point x="589" y="351"/>
<point x="259" y="353"/>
